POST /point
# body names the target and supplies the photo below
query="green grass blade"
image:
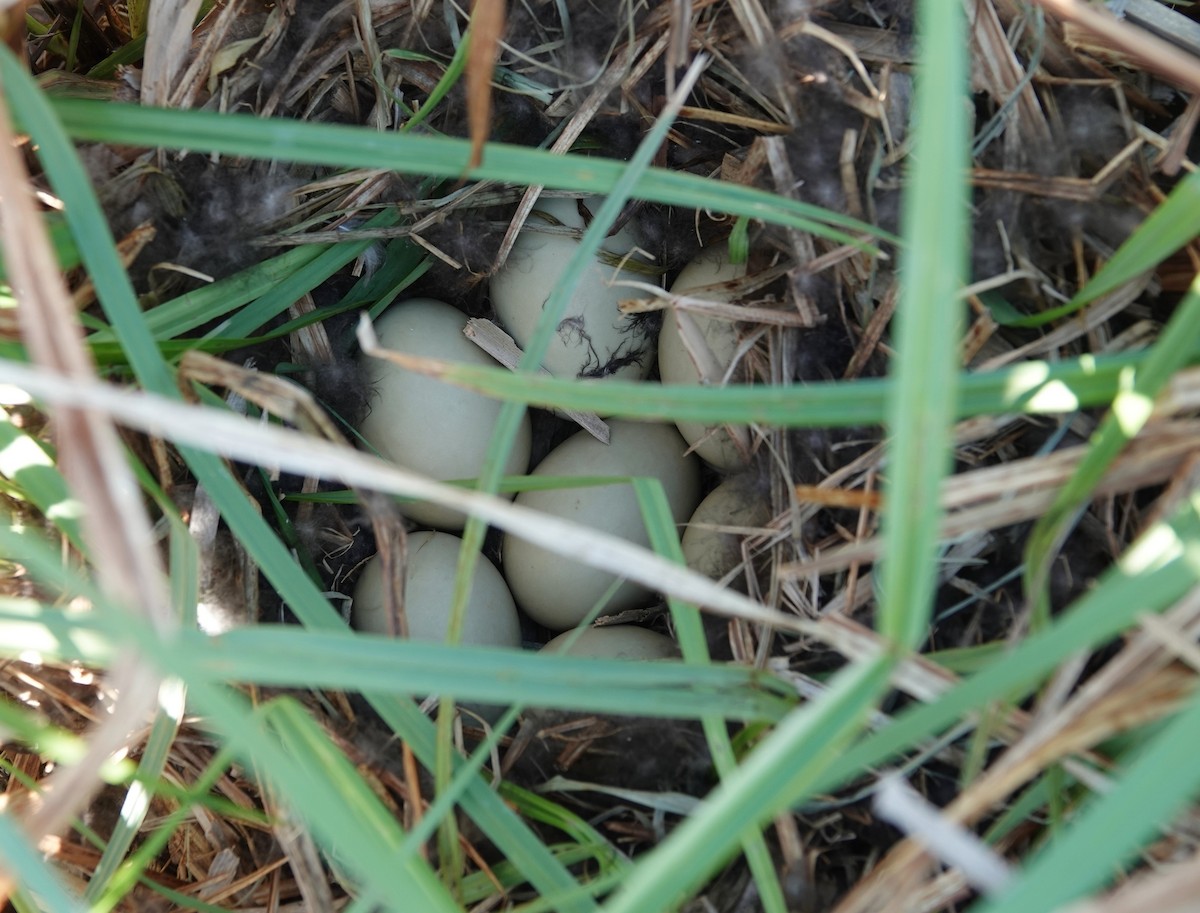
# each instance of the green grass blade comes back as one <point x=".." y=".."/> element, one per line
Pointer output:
<point x="31" y="470"/>
<point x="1031" y="387"/>
<point x="1152" y="575"/>
<point x="922" y="401"/>
<point x="319" y="785"/>
<point x="450" y="76"/>
<point x="291" y="657"/>
<point x="145" y="855"/>
<point x="505" y="430"/>
<point x="285" y="292"/>
<point x="137" y="798"/>
<point x="539" y="808"/>
<point x="516" y="841"/>
<point x="126" y="56"/>
<point x="1161" y="780"/>
<point x="1131" y="409"/>
<point x="183" y="566"/>
<point x="689" y="630"/>
<point x="555" y="306"/>
<point x="179" y="315"/>
<point x="359" y="147"/>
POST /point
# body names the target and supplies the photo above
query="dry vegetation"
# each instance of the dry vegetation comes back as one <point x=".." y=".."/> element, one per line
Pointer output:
<point x="809" y="100"/>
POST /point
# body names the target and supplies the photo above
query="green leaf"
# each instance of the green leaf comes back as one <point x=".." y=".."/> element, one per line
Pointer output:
<point x="359" y="147"/>
<point x="37" y="479"/>
<point x="1032" y="387"/>
<point x="922" y="401"/>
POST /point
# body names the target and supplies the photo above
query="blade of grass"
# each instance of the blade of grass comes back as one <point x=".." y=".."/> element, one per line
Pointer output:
<point x="32" y="471"/>
<point x="508" y="485"/>
<point x="126" y="55"/>
<point x="1131" y="409"/>
<point x="292" y="657"/>
<point x="530" y="805"/>
<point x="351" y="824"/>
<point x="131" y="872"/>
<point x="285" y="292"/>
<point x="138" y="796"/>
<point x="1152" y="575"/>
<point x="1031" y="387"/>
<point x="179" y="315"/>
<point x="450" y="76"/>
<point x="539" y="808"/>
<point x="354" y="147"/>
<point x="689" y="630"/>
<point x="517" y="842"/>
<point x="921" y="404"/>
<point x="253" y="289"/>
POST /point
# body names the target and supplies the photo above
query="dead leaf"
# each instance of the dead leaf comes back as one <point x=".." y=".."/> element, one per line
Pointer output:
<point x="487" y="25"/>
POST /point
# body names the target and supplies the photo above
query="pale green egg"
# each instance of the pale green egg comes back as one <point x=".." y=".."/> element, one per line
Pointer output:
<point x="680" y="364"/>
<point x="593" y="339"/>
<point x="558" y="592"/>
<point x="712" y="540"/>
<point x="491" y="615"/>
<point x="614" y="642"/>
<point x="427" y="425"/>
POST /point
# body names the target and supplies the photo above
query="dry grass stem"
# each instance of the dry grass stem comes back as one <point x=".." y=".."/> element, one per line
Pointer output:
<point x="93" y="461"/>
<point x="1002" y="495"/>
<point x="1143" y="49"/>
